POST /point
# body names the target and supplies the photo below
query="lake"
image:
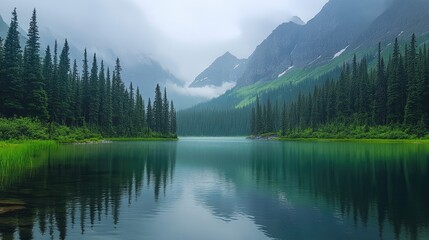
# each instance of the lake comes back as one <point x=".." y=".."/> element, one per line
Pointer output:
<point x="220" y="188"/>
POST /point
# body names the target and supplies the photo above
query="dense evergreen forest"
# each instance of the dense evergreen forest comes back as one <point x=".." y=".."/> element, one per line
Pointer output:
<point x="216" y="119"/>
<point x="51" y="90"/>
<point x="393" y="95"/>
<point x="213" y="122"/>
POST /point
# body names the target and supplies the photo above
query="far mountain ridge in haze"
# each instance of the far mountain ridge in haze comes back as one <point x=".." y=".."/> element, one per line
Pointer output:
<point x="297" y="20"/>
<point x="225" y="69"/>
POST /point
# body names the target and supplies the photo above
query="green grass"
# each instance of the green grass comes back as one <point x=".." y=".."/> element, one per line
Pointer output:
<point x="141" y="139"/>
<point x="294" y="76"/>
<point x="355" y="132"/>
<point x="375" y="141"/>
<point x="19" y="158"/>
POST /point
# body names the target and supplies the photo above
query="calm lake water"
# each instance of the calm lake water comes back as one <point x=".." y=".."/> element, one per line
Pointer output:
<point x="222" y="188"/>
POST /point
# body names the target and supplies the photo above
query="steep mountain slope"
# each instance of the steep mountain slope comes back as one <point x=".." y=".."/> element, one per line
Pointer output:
<point x="401" y="19"/>
<point x="294" y="55"/>
<point x="317" y="42"/>
<point x="3" y="27"/>
<point x="224" y="69"/>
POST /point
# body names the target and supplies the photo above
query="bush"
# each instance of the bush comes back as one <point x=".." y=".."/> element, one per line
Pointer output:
<point x="22" y="129"/>
<point x="33" y="129"/>
<point x="342" y="131"/>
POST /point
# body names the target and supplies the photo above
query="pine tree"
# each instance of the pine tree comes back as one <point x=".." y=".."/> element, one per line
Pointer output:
<point x="1" y="52"/>
<point x="284" y="120"/>
<point x="150" y="116"/>
<point x="131" y="109"/>
<point x="253" y="122"/>
<point x="63" y="86"/>
<point x="1" y="60"/>
<point x="157" y="110"/>
<point x="1" y="77"/>
<point x="102" y="95"/>
<point x="85" y="87"/>
<point x="107" y="124"/>
<point x="76" y="99"/>
<point x="413" y="107"/>
<point x="11" y="86"/>
<point x="173" y="120"/>
<point x="259" y="120"/>
<point x="165" y="113"/>
<point x="52" y="90"/>
<point x="394" y="106"/>
<point x="48" y="72"/>
<point x="380" y="108"/>
<point x="269" y="117"/>
<point x="93" y="110"/>
<point x="342" y="101"/>
<point x="36" y="103"/>
<point x="117" y="97"/>
<point x="138" y="116"/>
<point x="364" y="92"/>
<point x="425" y="87"/>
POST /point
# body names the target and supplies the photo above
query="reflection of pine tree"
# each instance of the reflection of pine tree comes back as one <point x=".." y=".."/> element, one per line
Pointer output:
<point x="93" y="185"/>
<point x="355" y="190"/>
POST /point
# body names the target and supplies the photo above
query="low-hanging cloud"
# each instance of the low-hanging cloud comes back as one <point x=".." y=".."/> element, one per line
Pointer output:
<point x="207" y="92"/>
<point x="185" y="36"/>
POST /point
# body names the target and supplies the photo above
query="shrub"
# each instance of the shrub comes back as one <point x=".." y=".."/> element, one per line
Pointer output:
<point x="22" y="129"/>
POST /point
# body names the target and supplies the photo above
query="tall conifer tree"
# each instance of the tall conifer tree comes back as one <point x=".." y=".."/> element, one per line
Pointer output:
<point x="93" y="94"/>
<point x="62" y="95"/>
<point x="173" y="120"/>
<point x="165" y="113"/>
<point x="413" y="108"/>
<point x="157" y="110"/>
<point x="11" y="86"/>
<point x="36" y="103"/>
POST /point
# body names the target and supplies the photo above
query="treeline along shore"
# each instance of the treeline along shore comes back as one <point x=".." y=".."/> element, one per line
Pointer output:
<point x="48" y="98"/>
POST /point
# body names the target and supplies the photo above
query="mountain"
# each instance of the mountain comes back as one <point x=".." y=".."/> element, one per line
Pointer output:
<point x="3" y="27"/>
<point x="401" y="19"/>
<point x="297" y="20"/>
<point x="225" y="69"/>
<point x="295" y="58"/>
<point x="293" y="45"/>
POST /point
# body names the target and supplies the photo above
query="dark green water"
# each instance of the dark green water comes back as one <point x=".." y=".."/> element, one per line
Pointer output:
<point x="223" y="188"/>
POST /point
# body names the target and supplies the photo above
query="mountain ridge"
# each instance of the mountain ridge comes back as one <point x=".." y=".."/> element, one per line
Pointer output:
<point x="332" y="29"/>
<point x="225" y="69"/>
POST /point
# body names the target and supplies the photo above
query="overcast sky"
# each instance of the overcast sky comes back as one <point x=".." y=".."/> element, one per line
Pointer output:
<point x="185" y="36"/>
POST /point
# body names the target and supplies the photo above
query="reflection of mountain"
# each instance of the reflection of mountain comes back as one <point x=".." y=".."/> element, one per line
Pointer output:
<point x="84" y="185"/>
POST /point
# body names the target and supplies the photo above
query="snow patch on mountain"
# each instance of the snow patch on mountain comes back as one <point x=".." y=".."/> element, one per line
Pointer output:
<point x="340" y="52"/>
<point x="283" y="73"/>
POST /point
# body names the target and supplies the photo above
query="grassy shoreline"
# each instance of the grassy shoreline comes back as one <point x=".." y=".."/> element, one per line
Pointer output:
<point x="16" y="143"/>
<point x="20" y="158"/>
<point x="357" y="140"/>
<point x="144" y="139"/>
<point x="274" y="136"/>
